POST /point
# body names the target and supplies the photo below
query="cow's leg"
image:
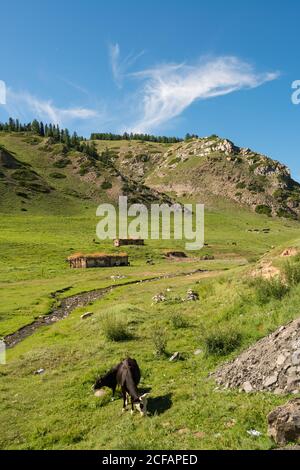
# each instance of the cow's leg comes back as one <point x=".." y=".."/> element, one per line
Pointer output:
<point x="113" y="393"/>
<point x="132" y="406"/>
<point x="124" y="400"/>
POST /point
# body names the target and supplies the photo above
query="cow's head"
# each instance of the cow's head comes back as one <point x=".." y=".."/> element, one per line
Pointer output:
<point x="99" y="384"/>
<point x="141" y="404"/>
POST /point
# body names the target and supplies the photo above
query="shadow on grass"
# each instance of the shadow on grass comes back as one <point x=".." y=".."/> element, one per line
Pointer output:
<point x="159" y="405"/>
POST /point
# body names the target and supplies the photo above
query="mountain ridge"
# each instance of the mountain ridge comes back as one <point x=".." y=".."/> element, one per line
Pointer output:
<point x="203" y="169"/>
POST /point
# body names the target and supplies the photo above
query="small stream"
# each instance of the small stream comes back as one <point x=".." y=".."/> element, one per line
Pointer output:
<point x="68" y="304"/>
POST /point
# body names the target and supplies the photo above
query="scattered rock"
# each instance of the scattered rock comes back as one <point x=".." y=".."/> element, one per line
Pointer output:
<point x="199" y="434"/>
<point x="158" y="298"/>
<point x="284" y="423"/>
<point x="270" y="380"/>
<point x="183" y="431"/>
<point x="117" y="277"/>
<point x="192" y="296"/>
<point x="272" y="364"/>
<point x="296" y="358"/>
<point x="254" y="433"/>
<point x="86" y="315"/>
<point x="99" y="393"/>
<point x="230" y="424"/>
<point x="198" y="352"/>
<point x="247" y="387"/>
<point x="175" y="357"/>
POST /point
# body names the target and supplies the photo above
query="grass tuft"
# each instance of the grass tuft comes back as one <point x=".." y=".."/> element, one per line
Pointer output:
<point x="115" y="329"/>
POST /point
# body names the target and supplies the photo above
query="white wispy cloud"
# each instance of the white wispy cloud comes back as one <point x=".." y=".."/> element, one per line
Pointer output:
<point x="25" y="106"/>
<point x="169" y="89"/>
<point x="120" y="66"/>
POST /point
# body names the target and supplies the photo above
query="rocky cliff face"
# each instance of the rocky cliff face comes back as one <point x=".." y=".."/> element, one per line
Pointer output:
<point x="214" y="166"/>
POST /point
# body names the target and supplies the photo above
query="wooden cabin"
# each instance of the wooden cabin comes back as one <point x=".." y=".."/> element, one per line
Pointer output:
<point x="98" y="260"/>
<point x="129" y="241"/>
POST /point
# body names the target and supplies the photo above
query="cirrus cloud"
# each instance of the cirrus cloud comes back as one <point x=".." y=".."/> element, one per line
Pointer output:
<point x="25" y="106"/>
<point x="169" y="89"/>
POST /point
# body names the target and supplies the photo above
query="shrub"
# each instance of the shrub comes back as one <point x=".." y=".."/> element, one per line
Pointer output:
<point x="20" y="194"/>
<point x="106" y="185"/>
<point x="268" y="289"/>
<point x="222" y="341"/>
<point x="62" y="163"/>
<point x="178" y="321"/>
<point x="115" y="329"/>
<point x="24" y="174"/>
<point x="291" y="273"/>
<point x="285" y="213"/>
<point x="263" y="209"/>
<point x="241" y="185"/>
<point x="174" y="161"/>
<point x="58" y="176"/>
<point x="159" y="339"/>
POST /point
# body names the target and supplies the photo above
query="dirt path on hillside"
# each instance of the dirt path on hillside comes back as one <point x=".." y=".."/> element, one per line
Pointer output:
<point x="68" y="304"/>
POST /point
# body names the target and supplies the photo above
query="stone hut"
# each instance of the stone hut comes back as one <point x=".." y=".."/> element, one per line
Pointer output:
<point x="98" y="260"/>
<point x="128" y="241"/>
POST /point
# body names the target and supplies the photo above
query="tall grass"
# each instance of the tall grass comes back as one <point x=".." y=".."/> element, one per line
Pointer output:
<point x="178" y="321"/>
<point x="291" y="272"/>
<point x="222" y="341"/>
<point x="115" y="329"/>
<point x="159" y="340"/>
<point x="268" y="289"/>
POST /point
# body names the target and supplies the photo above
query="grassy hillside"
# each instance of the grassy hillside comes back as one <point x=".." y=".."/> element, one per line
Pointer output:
<point x="186" y="409"/>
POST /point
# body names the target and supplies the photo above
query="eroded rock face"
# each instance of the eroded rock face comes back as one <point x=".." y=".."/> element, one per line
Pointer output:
<point x="284" y="423"/>
<point x="272" y="364"/>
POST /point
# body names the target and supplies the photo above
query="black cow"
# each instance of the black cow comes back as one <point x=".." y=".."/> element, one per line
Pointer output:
<point x="127" y="375"/>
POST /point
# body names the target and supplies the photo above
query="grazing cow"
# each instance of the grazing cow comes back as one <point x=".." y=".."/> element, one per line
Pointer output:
<point x="128" y="377"/>
<point x="108" y="380"/>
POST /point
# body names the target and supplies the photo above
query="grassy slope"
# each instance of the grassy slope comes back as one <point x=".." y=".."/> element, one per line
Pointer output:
<point x="59" y="408"/>
<point x="61" y="411"/>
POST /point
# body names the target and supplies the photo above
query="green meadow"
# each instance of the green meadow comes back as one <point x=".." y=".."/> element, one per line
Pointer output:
<point x="57" y="409"/>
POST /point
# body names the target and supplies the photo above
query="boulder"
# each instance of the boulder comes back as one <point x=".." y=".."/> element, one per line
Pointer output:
<point x="175" y="357"/>
<point x="86" y="315"/>
<point x="284" y="423"/>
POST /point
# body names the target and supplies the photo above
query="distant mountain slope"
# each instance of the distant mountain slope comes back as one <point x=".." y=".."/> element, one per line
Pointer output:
<point x="39" y="174"/>
<point x="211" y="168"/>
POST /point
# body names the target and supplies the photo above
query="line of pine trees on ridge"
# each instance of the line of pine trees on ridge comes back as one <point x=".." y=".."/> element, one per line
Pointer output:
<point x="79" y="143"/>
<point x="133" y="136"/>
<point x="54" y="133"/>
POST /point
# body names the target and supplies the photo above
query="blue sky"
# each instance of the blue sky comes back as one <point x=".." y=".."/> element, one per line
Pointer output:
<point x="165" y="67"/>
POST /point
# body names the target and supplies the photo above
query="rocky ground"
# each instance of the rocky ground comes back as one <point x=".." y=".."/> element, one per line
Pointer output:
<point x="271" y="365"/>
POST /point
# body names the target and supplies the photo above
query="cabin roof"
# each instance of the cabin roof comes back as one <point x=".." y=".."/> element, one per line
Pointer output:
<point x="96" y="256"/>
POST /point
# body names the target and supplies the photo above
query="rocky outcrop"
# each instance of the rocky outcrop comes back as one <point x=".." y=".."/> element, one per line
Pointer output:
<point x="213" y="167"/>
<point x="284" y="423"/>
<point x="271" y="365"/>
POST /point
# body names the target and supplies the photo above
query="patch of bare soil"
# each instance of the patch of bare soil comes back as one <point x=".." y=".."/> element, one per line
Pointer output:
<point x="289" y="252"/>
<point x="266" y="270"/>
